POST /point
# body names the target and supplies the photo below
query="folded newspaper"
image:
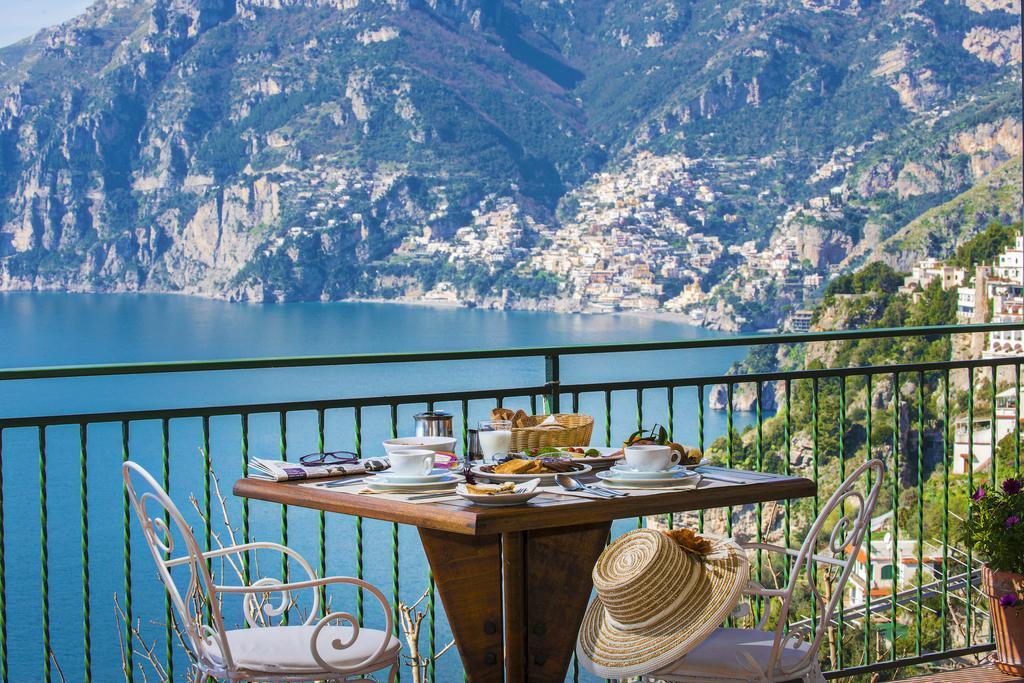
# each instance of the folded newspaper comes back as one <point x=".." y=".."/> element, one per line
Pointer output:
<point x="280" y="470"/>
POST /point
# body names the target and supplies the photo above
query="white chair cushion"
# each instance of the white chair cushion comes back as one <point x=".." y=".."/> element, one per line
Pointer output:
<point x="718" y="658"/>
<point x="281" y="649"/>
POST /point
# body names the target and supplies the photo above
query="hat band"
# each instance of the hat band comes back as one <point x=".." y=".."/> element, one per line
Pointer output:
<point x="666" y="611"/>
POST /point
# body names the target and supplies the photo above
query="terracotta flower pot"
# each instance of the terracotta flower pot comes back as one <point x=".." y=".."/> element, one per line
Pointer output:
<point x="1007" y="622"/>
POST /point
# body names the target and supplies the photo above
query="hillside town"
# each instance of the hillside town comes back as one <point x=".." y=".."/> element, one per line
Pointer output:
<point x="634" y="239"/>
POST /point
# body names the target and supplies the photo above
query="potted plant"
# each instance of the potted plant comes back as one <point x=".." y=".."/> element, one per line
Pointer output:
<point x="995" y="531"/>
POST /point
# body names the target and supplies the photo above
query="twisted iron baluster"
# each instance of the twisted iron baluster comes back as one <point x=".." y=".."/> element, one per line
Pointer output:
<point x="83" y="489"/>
<point x="44" y="555"/>
<point x="920" y="511"/>
<point x="359" y="520"/>
<point x="815" y="440"/>
<point x="322" y="516"/>
<point x="129" y="664"/>
<point x="245" y="500"/>
<point x="895" y="493"/>
<point x="3" y="571"/>
<point x="946" y="453"/>
<point x="787" y="512"/>
<point x="395" y="587"/>
<point x="759" y="452"/>
<point x="970" y="506"/>
<point x="639" y="425"/>
<point x="842" y="477"/>
<point x="282" y="427"/>
<point x="729" y="451"/>
<point x="165" y="434"/>
<point x="700" y="444"/>
<point x="867" y="483"/>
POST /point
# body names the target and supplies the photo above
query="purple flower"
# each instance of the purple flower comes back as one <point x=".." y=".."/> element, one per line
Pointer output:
<point x="1008" y="600"/>
<point x="979" y="494"/>
<point x="1012" y="486"/>
<point x="1012" y="520"/>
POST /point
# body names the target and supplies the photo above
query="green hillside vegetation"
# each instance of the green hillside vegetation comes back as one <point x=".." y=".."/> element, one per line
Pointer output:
<point x="938" y="231"/>
<point x="986" y="245"/>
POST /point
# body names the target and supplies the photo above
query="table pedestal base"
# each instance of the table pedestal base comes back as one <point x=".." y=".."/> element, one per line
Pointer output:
<point x="515" y="601"/>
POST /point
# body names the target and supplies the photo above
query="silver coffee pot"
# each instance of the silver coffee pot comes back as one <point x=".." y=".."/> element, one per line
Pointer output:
<point x="433" y="423"/>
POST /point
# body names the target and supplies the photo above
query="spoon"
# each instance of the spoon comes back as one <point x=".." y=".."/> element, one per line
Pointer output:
<point x="567" y="483"/>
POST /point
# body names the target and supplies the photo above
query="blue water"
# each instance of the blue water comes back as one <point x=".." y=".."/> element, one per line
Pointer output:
<point x="64" y="329"/>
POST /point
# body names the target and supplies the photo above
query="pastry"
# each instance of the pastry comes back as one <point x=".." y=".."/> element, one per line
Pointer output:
<point x="517" y="467"/>
<point x="490" y="489"/>
<point x="502" y="414"/>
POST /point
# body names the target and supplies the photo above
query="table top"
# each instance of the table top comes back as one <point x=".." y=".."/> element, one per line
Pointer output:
<point x="544" y="511"/>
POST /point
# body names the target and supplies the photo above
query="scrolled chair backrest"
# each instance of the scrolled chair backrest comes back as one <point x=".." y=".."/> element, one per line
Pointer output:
<point x="843" y="543"/>
<point x="207" y="643"/>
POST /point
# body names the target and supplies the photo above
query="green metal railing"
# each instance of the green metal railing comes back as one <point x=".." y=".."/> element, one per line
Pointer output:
<point x="816" y="408"/>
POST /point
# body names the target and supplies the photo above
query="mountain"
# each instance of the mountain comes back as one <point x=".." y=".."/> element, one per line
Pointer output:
<point x="468" y="149"/>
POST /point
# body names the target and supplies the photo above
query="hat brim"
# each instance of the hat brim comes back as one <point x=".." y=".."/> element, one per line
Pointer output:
<point x="610" y="652"/>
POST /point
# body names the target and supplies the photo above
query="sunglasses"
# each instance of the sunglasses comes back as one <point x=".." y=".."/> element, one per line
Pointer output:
<point x="330" y="458"/>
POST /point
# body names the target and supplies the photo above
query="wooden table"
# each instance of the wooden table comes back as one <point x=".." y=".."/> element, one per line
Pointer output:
<point x="515" y="581"/>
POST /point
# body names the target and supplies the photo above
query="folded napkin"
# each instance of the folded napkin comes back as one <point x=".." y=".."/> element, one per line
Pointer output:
<point x="371" y="492"/>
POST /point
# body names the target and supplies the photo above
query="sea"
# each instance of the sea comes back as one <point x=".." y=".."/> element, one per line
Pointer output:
<point x="59" y="329"/>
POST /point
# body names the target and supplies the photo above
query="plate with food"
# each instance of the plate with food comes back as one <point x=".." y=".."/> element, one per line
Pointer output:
<point x="496" y="495"/>
<point x="591" y="455"/>
<point x="524" y="469"/>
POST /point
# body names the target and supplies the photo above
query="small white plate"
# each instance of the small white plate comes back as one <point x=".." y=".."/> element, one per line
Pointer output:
<point x="678" y="479"/>
<point x="545" y="478"/>
<point x="502" y="500"/>
<point x="395" y="478"/>
<point x="375" y="483"/>
<point x="624" y="471"/>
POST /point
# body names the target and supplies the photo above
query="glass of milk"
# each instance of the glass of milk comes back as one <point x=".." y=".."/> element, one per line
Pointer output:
<point x="495" y="438"/>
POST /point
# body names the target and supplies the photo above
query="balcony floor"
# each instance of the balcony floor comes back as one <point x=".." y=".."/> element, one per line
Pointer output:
<point x="984" y="673"/>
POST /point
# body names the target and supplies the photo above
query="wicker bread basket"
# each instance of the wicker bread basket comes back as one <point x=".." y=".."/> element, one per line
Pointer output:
<point x="573" y="429"/>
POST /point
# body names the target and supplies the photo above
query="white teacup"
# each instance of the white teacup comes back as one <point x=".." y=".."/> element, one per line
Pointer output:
<point x="412" y="462"/>
<point x="651" y="457"/>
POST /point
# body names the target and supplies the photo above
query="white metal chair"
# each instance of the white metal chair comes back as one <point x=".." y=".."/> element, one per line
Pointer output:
<point x="307" y="652"/>
<point x="767" y="656"/>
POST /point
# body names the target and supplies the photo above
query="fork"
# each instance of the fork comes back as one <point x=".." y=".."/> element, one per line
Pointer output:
<point x="597" y="487"/>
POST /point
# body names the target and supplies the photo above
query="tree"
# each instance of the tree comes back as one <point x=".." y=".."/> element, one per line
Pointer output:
<point x="986" y="245"/>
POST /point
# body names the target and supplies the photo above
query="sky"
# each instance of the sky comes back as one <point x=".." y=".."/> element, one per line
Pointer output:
<point x="22" y="18"/>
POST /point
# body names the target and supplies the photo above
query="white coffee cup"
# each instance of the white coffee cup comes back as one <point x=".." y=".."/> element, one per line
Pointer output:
<point x="412" y="462"/>
<point x="651" y="457"/>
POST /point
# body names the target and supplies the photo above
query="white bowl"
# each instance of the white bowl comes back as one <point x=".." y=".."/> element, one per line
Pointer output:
<point x="438" y="444"/>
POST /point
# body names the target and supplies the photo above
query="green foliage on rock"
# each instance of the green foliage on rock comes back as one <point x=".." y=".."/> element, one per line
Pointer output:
<point x="986" y="245"/>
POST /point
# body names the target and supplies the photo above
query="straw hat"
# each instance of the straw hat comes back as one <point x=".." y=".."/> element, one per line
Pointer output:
<point x="656" y="602"/>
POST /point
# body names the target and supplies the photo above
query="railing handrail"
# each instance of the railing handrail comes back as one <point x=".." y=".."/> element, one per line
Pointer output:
<point x="508" y="392"/>
<point x="100" y="370"/>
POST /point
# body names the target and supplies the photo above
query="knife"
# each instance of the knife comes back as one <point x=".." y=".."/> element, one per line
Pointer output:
<point x="340" y="482"/>
<point x="715" y="476"/>
<point x="425" y="496"/>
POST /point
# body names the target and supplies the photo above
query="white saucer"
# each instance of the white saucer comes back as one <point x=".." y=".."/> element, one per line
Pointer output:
<point x="376" y="483"/>
<point x="624" y="471"/>
<point x="395" y="478"/>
